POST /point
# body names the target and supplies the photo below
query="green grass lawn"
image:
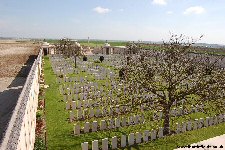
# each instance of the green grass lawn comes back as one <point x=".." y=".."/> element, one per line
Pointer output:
<point x="60" y="131"/>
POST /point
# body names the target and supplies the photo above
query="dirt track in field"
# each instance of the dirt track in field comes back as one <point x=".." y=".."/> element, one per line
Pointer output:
<point x="16" y="60"/>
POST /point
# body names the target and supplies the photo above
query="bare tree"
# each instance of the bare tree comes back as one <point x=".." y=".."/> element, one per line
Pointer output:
<point x="69" y="48"/>
<point x="173" y="74"/>
<point x="133" y="48"/>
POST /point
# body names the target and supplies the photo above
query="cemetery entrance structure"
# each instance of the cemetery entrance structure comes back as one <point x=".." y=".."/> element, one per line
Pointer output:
<point x="109" y="50"/>
<point x="47" y="48"/>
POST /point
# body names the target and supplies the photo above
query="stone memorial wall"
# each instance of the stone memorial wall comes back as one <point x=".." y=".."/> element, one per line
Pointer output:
<point x="20" y="133"/>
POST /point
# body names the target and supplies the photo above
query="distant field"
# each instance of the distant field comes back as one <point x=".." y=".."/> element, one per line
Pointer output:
<point x="97" y="43"/>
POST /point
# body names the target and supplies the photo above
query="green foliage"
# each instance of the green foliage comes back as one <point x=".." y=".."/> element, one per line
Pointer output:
<point x="39" y="114"/>
<point x="39" y="144"/>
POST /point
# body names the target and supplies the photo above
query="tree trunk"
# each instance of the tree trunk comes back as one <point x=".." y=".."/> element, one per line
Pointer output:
<point x="166" y="123"/>
<point x="75" y="61"/>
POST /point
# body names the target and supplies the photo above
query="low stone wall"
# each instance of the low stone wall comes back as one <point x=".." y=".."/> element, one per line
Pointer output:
<point x="20" y="134"/>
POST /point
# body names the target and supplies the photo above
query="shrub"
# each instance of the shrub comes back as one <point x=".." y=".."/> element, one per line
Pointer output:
<point x="122" y="73"/>
<point x="39" y="144"/>
<point x="39" y="114"/>
<point x="101" y="58"/>
<point x="84" y="58"/>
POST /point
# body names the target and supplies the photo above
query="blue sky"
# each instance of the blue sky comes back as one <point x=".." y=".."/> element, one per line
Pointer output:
<point x="151" y="20"/>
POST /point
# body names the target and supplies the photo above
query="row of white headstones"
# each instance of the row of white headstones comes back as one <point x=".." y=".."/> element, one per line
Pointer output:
<point x="112" y="123"/>
<point x="108" y="124"/>
<point x="90" y="111"/>
<point x="146" y="136"/>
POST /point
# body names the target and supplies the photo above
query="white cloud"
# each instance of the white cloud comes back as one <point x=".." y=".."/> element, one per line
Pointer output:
<point x="169" y="12"/>
<point x="159" y="2"/>
<point x="101" y="10"/>
<point x="194" y="10"/>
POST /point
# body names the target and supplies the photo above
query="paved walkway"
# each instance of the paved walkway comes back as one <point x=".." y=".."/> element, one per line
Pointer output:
<point x="216" y="143"/>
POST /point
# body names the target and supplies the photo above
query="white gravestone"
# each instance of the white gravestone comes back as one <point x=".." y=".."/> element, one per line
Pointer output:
<point x="67" y="105"/>
<point x="91" y="112"/>
<point x="195" y="127"/>
<point x="178" y="130"/>
<point x="94" y="126"/>
<point x="206" y="123"/>
<point x="220" y="118"/>
<point x="77" y="129"/>
<point x="103" y="125"/>
<point x="79" y="114"/>
<point x="114" y="142"/>
<point x="200" y="123"/>
<point x="105" y="144"/>
<point x="78" y="104"/>
<point x="142" y="119"/>
<point x="184" y="127"/>
<point x="138" y="137"/>
<point x="98" y="112"/>
<point x="131" y="139"/>
<point x="145" y="135"/>
<point x="71" y="116"/>
<point x="73" y="105"/>
<point x="95" y="145"/>
<point x="84" y="146"/>
<point x="85" y="113"/>
<point x="131" y="120"/>
<point x="215" y="120"/>
<point x="124" y="121"/>
<point x="111" y="124"/>
<point x="153" y="134"/>
<point x="85" y="103"/>
<point x="160" y="114"/>
<point x="160" y="133"/>
<point x="210" y="121"/>
<point x="136" y="119"/>
<point x="117" y="122"/>
<point x="123" y="141"/>
<point x="86" y="127"/>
